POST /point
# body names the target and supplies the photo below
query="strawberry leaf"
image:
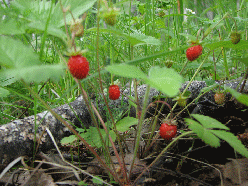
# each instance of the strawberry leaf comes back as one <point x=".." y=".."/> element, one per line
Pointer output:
<point x="242" y="98"/>
<point x="77" y="8"/>
<point x="195" y="126"/>
<point x="93" y="138"/>
<point x="21" y="62"/>
<point x="125" y="123"/>
<point x="68" y="140"/>
<point x="209" y="122"/>
<point x="242" y="45"/>
<point x="3" y="92"/>
<point x="126" y="70"/>
<point x="203" y="133"/>
<point x="14" y="54"/>
<point x="232" y="140"/>
<point x="39" y="73"/>
<point x="11" y="27"/>
<point x="97" y="180"/>
<point x="133" y="39"/>
<point x="165" y="80"/>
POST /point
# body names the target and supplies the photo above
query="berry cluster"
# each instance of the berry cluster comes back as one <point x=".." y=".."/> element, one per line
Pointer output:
<point x="79" y="68"/>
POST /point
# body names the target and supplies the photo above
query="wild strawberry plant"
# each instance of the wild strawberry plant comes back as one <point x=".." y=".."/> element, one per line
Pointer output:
<point x="139" y="46"/>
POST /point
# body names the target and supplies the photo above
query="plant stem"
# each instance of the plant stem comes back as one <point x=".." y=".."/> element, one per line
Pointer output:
<point x="71" y="129"/>
<point x="140" y="124"/>
<point x="122" y="165"/>
<point x="163" y="151"/>
<point x="191" y="80"/>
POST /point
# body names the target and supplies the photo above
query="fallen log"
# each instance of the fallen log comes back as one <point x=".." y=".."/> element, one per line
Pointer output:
<point x="17" y="137"/>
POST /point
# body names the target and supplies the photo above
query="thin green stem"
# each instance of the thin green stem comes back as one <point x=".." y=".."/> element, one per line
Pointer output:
<point x="122" y="165"/>
<point x="36" y="126"/>
<point x="163" y="151"/>
<point x="57" y="116"/>
<point x="140" y="124"/>
<point x="45" y="31"/>
<point x="191" y="80"/>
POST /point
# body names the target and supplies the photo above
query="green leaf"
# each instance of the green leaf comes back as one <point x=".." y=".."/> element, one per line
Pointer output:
<point x="244" y="60"/>
<point x="97" y="180"/>
<point x="195" y="126"/>
<point x="76" y="7"/>
<point x="68" y="140"/>
<point x="211" y="27"/>
<point x="232" y="140"/>
<point x="82" y="183"/>
<point x="11" y="27"/>
<point x="39" y="26"/>
<point x="35" y="73"/>
<point x="165" y="80"/>
<point x="7" y="81"/>
<point x="242" y="98"/>
<point x="3" y="92"/>
<point x="211" y="137"/>
<point x="209" y="88"/>
<point x="149" y="40"/>
<point x="80" y="130"/>
<point x="209" y="123"/>
<point x="203" y="133"/>
<point x="126" y="70"/>
<point x="134" y="39"/>
<point x="125" y="123"/>
<point x="92" y="136"/>
<point x="36" y="14"/>
<point x="242" y="45"/>
<point x="14" y="54"/>
<point x="21" y="62"/>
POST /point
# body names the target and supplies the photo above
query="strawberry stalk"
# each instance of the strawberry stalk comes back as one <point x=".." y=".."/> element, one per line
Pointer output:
<point x="112" y="172"/>
<point x="192" y="79"/>
<point x="162" y="152"/>
<point x="122" y="165"/>
<point x="140" y="124"/>
<point x="71" y="129"/>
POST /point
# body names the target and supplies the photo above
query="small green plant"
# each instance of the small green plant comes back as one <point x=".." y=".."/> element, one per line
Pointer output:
<point x="122" y="126"/>
<point x="211" y="131"/>
<point x="133" y="48"/>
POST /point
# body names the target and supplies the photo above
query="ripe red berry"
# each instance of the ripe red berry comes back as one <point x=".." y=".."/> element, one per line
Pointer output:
<point x="167" y="131"/>
<point x="194" y="52"/>
<point x="114" y="92"/>
<point x="78" y="66"/>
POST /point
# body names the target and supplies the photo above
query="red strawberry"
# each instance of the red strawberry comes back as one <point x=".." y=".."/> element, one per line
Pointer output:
<point x="114" y="92"/>
<point x="78" y="66"/>
<point x="194" y="52"/>
<point x="167" y="131"/>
